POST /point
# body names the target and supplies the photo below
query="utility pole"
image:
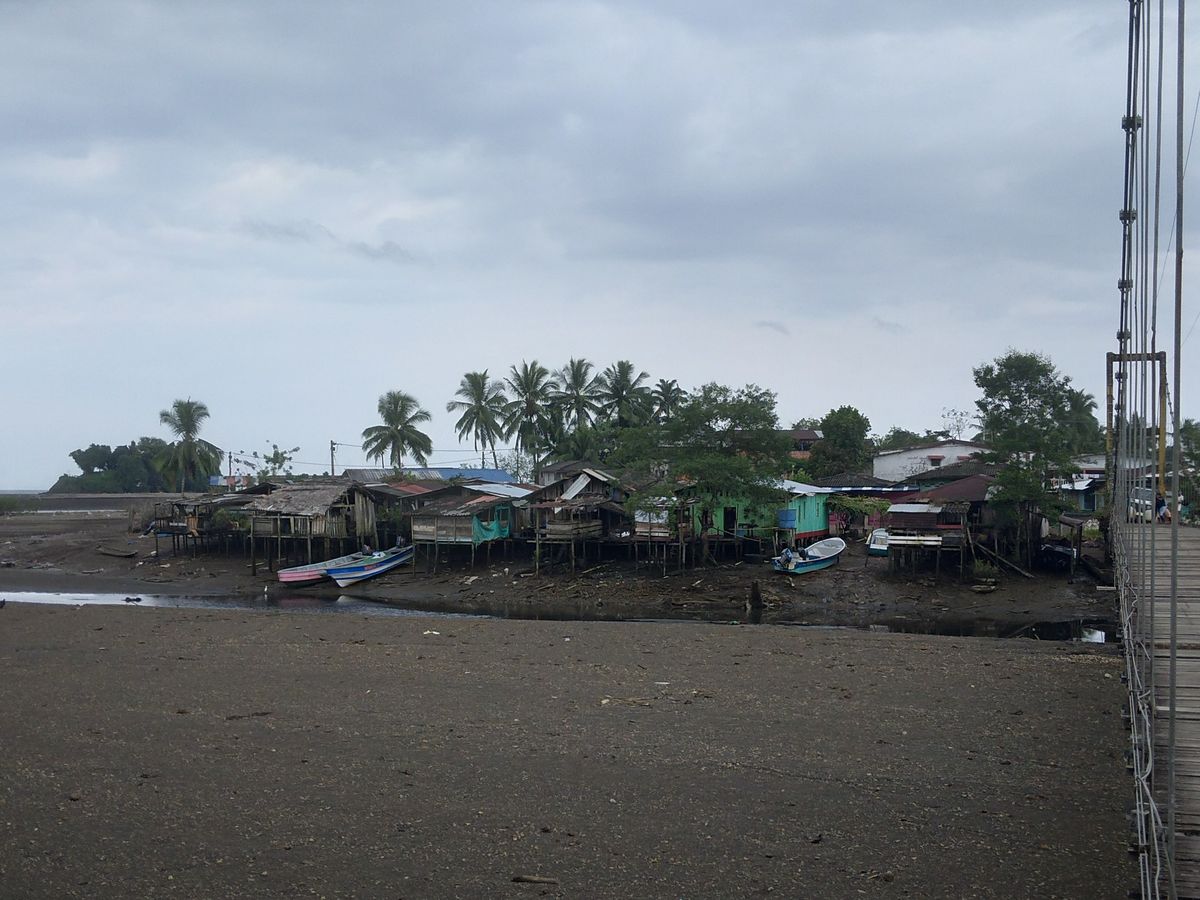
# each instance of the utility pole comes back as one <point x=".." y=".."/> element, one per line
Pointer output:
<point x="332" y="445"/>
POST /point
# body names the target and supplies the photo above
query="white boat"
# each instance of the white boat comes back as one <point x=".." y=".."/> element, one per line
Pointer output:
<point x="820" y="555"/>
<point x="877" y="543"/>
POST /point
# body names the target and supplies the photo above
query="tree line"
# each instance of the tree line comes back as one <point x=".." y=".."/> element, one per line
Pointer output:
<point x="580" y="411"/>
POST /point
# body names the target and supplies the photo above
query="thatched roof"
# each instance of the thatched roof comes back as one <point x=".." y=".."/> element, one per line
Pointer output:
<point x="301" y="499"/>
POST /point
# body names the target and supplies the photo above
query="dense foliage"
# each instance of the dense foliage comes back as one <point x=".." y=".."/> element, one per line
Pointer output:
<point x="127" y="469"/>
<point x="720" y="442"/>
<point x="843" y="446"/>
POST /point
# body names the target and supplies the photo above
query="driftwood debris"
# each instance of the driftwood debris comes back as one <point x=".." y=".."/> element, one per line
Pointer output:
<point x="534" y="879"/>
<point x="1000" y="559"/>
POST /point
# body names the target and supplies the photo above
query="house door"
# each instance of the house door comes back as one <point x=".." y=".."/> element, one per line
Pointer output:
<point x="729" y="522"/>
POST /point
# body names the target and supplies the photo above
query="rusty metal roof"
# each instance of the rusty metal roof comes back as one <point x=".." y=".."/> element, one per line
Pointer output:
<point x="301" y="499"/>
<point x="461" y="506"/>
<point x="973" y="488"/>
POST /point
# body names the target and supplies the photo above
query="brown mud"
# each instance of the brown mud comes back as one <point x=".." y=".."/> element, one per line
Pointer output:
<point x="64" y="552"/>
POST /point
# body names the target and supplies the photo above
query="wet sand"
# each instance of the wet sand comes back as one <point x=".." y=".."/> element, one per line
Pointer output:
<point x="180" y="753"/>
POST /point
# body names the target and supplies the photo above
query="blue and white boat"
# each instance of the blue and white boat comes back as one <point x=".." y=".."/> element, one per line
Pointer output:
<point x="371" y="566"/>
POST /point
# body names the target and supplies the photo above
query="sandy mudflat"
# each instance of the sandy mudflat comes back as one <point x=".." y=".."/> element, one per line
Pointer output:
<point x="180" y="753"/>
<point x="65" y="552"/>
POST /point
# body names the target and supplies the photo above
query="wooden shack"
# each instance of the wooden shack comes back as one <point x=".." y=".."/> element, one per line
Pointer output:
<point x="468" y="515"/>
<point x="918" y="531"/>
<point x="339" y="516"/>
<point x="572" y="511"/>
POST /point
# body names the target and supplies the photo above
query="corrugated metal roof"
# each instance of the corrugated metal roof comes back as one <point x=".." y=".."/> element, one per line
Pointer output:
<point x="933" y="445"/>
<point x="799" y="487"/>
<point x="576" y="487"/>
<point x="300" y="499"/>
<point x="973" y="488"/>
<point x="400" y="489"/>
<point x="854" y="480"/>
<point x="914" y="508"/>
<point x="460" y="506"/>
<point x="514" y="491"/>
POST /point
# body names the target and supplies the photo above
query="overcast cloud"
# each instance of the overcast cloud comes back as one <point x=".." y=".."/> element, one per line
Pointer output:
<point x="286" y="209"/>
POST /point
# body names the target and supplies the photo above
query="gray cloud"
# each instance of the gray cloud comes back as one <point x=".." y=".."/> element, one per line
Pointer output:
<point x="771" y="325"/>
<point x="859" y="167"/>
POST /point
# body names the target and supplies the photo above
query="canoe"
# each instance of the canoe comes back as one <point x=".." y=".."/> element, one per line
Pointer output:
<point x="317" y="571"/>
<point x="877" y="543"/>
<point x="112" y="551"/>
<point x="370" y="566"/>
<point x="820" y="555"/>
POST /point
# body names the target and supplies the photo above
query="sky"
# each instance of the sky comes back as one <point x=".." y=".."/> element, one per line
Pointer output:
<point x="286" y="209"/>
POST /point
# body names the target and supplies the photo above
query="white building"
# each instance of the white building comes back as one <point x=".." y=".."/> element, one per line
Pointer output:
<point x="897" y="465"/>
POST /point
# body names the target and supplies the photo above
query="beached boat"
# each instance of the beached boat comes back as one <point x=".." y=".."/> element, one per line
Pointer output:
<point x="877" y="543"/>
<point x="820" y="555"/>
<point x="370" y="566"/>
<point x="317" y="571"/>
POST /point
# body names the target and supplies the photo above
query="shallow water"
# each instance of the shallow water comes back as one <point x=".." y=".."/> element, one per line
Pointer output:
<point x="1070" y="630"/>
<point x="292" y="603"/>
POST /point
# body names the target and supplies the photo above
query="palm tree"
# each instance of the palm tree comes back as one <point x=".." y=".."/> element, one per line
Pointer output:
<point x="527" y="416"/>
<point x="1085" y="434"/>
<point x="582" y="443"/>
<point x="482" y="407"/>
<point x="399" y="433"/>
<point x="190" y="456"/>
<point x="576" y="394"/>
<point x="624" y="397"/>
<point x="666" y="397"/>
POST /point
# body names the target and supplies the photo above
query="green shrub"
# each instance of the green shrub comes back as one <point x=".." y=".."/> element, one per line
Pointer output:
<point x="11" y="504"/>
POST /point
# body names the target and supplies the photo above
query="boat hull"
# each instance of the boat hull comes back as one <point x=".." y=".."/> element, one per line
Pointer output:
<point x="805" y="565"/>
<point x="372" y="566"/>
<point x="822" y="555"/>
<point x="314" y="572"/>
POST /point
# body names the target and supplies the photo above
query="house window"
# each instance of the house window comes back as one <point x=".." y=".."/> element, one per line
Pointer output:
<point x="935" y="461"/>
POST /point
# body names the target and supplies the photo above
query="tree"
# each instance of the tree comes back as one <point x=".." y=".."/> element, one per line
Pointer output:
<point x="577" y="394"/>
<point x="1025" y="411"/>
<point x="843" y="444"/>
<point x="1086" y="435"/>
<point x="190" y="457"/>
<point x="898" y="438"/>
<point x="527" y="416"/>
<point x="955" y="422"/>
<point x="624" y="397"/>
<point x="518" y="465"/>
<point x="398" y="434"/>
<point x="721" y="443"/>
<point x="277" y="462"/>
<point x="665" y="399"/>
<point x="95" y="458"/>
<point x="808" y="423"/>
<point x="482" y="407"/>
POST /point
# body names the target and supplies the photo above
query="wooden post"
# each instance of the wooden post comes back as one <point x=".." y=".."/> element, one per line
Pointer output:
<point x="253" y="555"/>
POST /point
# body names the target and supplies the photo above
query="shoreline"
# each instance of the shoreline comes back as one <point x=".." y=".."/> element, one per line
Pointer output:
<point x="61" y="553"/>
